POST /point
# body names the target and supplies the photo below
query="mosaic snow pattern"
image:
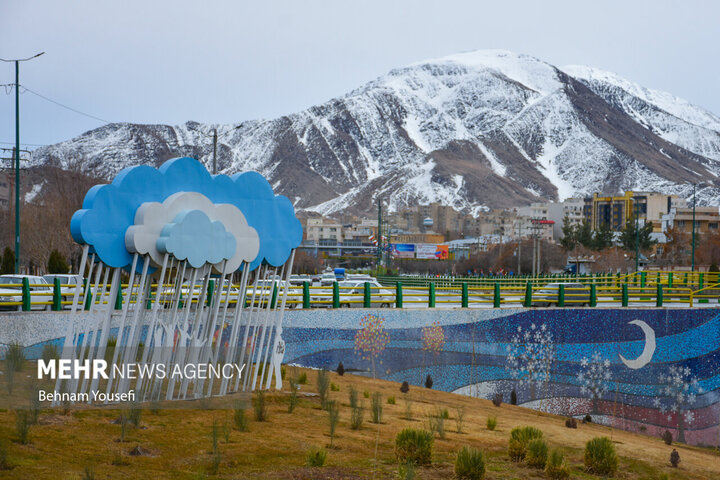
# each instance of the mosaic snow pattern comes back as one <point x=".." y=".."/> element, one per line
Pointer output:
<point x="566" y="361"/>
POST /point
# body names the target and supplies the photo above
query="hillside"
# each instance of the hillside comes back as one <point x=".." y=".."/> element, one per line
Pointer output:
<point x="176" y="443"/>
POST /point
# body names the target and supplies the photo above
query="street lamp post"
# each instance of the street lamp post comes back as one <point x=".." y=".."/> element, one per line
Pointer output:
<point x="17" y="155"/>
<point x="693" y="229"/>
<point x="637" y="235"/>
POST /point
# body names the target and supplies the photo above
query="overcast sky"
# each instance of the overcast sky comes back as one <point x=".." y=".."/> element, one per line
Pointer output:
<point x="168" y="62"/>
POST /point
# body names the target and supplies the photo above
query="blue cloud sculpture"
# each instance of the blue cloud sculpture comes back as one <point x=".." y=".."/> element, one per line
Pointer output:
<point x="192" y="236"/>
<point x="108" y="210"/>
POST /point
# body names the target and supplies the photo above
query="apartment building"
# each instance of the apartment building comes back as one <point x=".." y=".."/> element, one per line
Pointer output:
<point x="617" y="210"/>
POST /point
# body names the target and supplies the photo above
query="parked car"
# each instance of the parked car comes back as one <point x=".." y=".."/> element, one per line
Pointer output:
<point x="352" y="294"/>
<point x="576" y="295"/>
<point x="67" y="284"/>
<point x="11" y="291"/>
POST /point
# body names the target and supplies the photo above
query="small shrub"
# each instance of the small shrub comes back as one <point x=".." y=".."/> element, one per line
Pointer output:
<point x="293" y="399"/>
<point x="366" y="394"/>
<point x="491" y="423"/>
<point x="226" y="431"/>
<point x="600" y="456"/>
<point x="376" y="408"/>
<point x="333" y="409"/>
<point x="497" y="399"/>
<point x="459" y="418"/>
<point x="587" y="419"/>
<point x="571" y="423"/>
<point x="443" y="412"/>
<point x="674" y="458"/>
<point x="323" y="385"/>
<point x="124" y="422"/>
<point x="302" y="379"/>
<point x="537" y="453"/>
<point x="214" y="435"/>
<point x="405" y="387"/>
<point x="50" y="352"/>
<point x="356" y="417"/>
<point x="667" y="437"/>
<point x="414" y="446"/>
<point x="22" y="426"/>
<point x="334" y="387"/>
<point x="470" y="464"/>
<point x="134" y="414"/>
<point x="428" y="381"/>
<point x="436" y="422"/>
<point x="555" y="467"/>
<point x="340" y="369"/>
<point x="391" y="400"/>
<point x="353" y="397"/>
<point x="315" y="457"/>
<point x="260" y="407"/>
<point x="513" y="397"/>
<point x="520" y="437"/>
<point x="283" y="372"/>
<point x="14" y="357"/>
<point x="408" y="408"/>
<point x="242" y="422"/>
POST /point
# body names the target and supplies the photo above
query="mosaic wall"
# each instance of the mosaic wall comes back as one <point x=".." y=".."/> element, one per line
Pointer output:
<point x="640" y="370"/>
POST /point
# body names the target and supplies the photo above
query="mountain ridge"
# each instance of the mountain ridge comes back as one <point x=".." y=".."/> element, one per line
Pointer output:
<point x="474" y="130"/>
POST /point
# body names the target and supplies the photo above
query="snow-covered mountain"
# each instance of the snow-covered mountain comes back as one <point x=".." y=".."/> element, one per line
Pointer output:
<point x="475" y="130"/>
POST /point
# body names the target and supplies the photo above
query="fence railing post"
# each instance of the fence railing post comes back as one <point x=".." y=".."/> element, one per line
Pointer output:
<point x="659" y="295"/>
<point x="561" y="295"/>
<point x="528" y="295"/>
<point x="465" y="295"/>
<point x="496" y="295"/>
<point x="119" y="297"/>
<point x="210" y="292"/>
<point x="593" y="295"/>
<point x="431" y="295"/>
<point x="26" y="296"/>
<point x="398" y="295"/>
<point x="336" y="295"/>
<point x="367" y="297"/>
<point x="57" y="296"/>
<point x="306" y="294"/>
<point x="273" y="300"/>
<point x="624" y="295"/>
<point x="670" y="279"/>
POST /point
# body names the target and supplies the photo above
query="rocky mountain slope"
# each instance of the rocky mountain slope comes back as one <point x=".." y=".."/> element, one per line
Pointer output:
<point x="475" y="130"/>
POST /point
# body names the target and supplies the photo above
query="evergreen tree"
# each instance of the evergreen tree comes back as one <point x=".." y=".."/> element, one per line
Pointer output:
<point x="569" y="238"/>
<point x="8" y="261"/>
<point x="603" y="237"/>
<point x="57" y="263"/>
<point x="630" y="235"/>
<point x="584" y="235"/>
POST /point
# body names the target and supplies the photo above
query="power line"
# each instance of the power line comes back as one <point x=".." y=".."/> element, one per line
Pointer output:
<point x="65" y="106"/>
<point x="25" y="144"/>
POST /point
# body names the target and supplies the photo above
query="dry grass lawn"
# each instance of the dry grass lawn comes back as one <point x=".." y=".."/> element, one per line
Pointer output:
<point x="177" y="442"/>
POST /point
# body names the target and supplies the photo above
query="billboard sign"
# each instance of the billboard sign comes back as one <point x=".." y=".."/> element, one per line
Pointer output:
<point x="425" y="251"/>
<point x="442" y="252"/>
<point x="403" y="250"/>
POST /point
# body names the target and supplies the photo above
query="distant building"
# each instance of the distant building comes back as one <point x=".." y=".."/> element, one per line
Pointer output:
<point x="5" y="190"/>
<point x="706" y="219"/>
<point x="617" y="210"/>
<point x="570" y="209"/>
<point x="323" y="231"/>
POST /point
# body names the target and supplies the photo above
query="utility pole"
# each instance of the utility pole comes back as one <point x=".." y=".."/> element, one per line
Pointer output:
<point x="693" y="228"/>
<point x="379" y="237"/>
<point x="637" y="235"/>
<point x="519" y="246"/>
<point x="17" y="155"/>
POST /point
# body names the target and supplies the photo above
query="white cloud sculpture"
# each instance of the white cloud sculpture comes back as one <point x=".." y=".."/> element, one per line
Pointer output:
<point x="151" y="217"/>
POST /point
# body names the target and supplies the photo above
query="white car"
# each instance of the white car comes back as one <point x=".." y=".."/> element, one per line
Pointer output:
<point x="11" y="291"/>
<point x="68" y="283"/>
<point x="352" y="295"/>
